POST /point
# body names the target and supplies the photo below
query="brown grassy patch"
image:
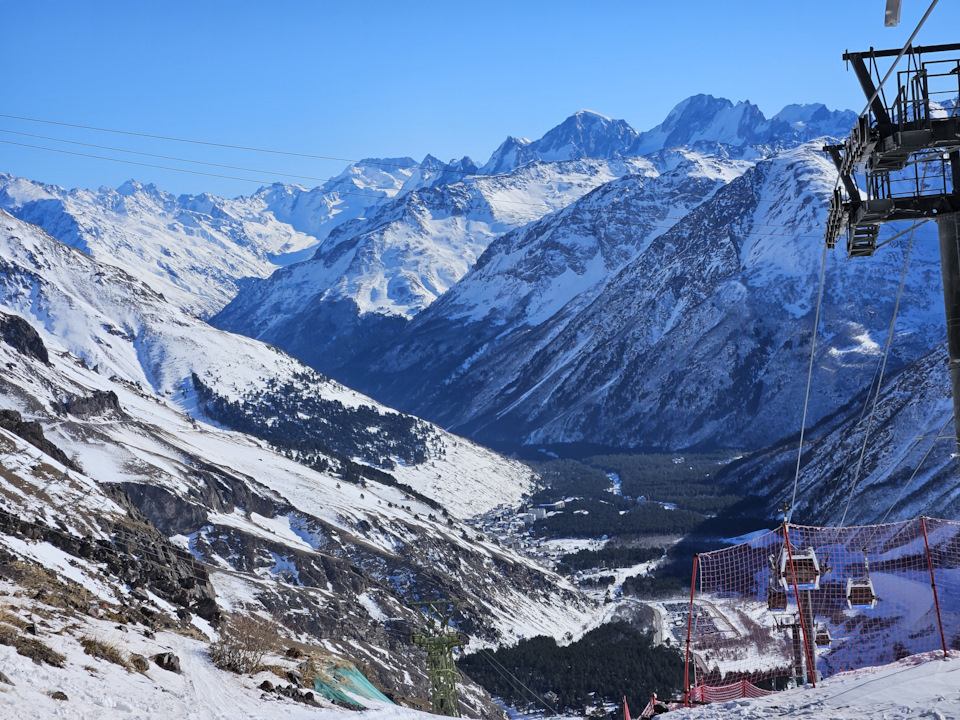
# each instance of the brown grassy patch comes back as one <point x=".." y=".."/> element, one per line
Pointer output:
<point x="30" y="647"/>
<point x="46" y="587"/>
<point x="104" y="650"/>
<point x="280" y="672"/>
<point x="140" y="664"/>
<point x="10" y="618"/>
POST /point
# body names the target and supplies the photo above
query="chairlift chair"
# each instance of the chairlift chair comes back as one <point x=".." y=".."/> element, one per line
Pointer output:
<point x="776" y="599"/>
<point x="802" y="562"/>
<point x="860" y="591"/>
<point x="822" y="637"/>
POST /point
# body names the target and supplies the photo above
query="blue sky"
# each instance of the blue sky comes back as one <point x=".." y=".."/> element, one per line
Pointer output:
<point x="389" y="79"/>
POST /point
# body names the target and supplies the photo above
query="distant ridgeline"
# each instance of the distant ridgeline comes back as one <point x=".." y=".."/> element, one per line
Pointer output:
<point x="313" y="431"/>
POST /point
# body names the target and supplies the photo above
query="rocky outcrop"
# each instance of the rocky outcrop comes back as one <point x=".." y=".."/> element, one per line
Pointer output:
<point x="139" y="556"/>
<point x="32" y="432"/>
<point x="21" y="336"/>
<point x="98" y="404"/>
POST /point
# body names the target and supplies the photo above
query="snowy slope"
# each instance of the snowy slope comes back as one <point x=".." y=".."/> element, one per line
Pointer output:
<point x="922" y="686"/>
<point x="121" y="328"/>
<point x="369" y="277"/>
<point x="335" y="559"/>
<point x="620" y="321"/>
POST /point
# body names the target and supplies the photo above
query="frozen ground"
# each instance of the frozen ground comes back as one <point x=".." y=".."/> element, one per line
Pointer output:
<point x="920" y="686"/>
<point x="96" y="688"/>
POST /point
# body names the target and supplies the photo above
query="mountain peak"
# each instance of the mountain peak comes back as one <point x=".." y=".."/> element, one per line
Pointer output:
<point x="704" y="118"/>
<point x="586" y="114"/>
<point x="585" y="134"/>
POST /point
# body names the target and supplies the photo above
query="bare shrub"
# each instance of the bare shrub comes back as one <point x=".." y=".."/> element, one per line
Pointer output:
<point x="243" y="642"/>
<point x="106" y="651"/>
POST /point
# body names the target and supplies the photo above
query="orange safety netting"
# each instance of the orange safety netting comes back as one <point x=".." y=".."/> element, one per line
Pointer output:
<point x="801" y="603"/>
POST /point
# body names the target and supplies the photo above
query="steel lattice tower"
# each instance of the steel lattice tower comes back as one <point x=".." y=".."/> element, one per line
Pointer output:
<point x="439" y="641"/>
<point x="905" y="148"/>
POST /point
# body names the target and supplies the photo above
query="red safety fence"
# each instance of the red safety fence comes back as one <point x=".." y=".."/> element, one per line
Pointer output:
<point x="800" y="603"/>
<point x="724" y="693"/>
<point x="650" y="710"/>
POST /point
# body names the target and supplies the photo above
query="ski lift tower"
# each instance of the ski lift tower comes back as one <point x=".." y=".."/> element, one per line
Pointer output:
<point x="440" y="640"/>
<point x="902" y="163"/>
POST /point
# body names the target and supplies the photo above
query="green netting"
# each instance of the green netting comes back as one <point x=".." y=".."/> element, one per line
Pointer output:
<point x="347" y="685"/>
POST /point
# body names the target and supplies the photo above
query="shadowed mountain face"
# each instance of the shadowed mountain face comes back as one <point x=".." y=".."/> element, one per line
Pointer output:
<point x="516" y="324"/>
<point x="586" y="328"/>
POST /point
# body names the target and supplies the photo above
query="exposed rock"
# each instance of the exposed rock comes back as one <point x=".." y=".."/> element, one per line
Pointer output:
<point x="176" y="576"/>
<point x="59" y="695"/>
<point x="32" y="432"/>
<point x="167" y="661"/>
<point x="98" y="404"/>
<point x="139" y="663"/>
<point x="266" y="686"/>
<point x="5" y="679"/>
<point x="21" y="336"/>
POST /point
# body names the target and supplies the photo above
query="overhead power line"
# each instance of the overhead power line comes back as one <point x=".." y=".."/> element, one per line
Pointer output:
<point x="672" y="193"/>
<point x="226" y="145"/>
<point x="169" y="157"/>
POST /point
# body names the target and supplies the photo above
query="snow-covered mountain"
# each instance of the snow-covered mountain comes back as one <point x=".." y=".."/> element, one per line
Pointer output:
<point x="486" y="355"/>
<point x="199" y="250"/>
<point x="667" y="312"/>
<point x="116" y="378"/>
<point x="582" y="262"/>
<point x="585" y="134"/>
<point x="369" y="277"/>
<point x="706" y="120"/>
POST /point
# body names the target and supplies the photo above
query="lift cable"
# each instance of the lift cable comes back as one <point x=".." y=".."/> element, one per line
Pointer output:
<point x="876" y="93"/>
<point x="917" y="468"/>
<point x="806" y="399"/>
<point x="494" y="663"/>
<point x="876" y="397"/>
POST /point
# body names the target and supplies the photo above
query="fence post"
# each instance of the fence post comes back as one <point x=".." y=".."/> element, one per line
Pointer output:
<point x="933" y="585"/>
<point x="811" y="665"/>
<point x="686" y="666"/>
